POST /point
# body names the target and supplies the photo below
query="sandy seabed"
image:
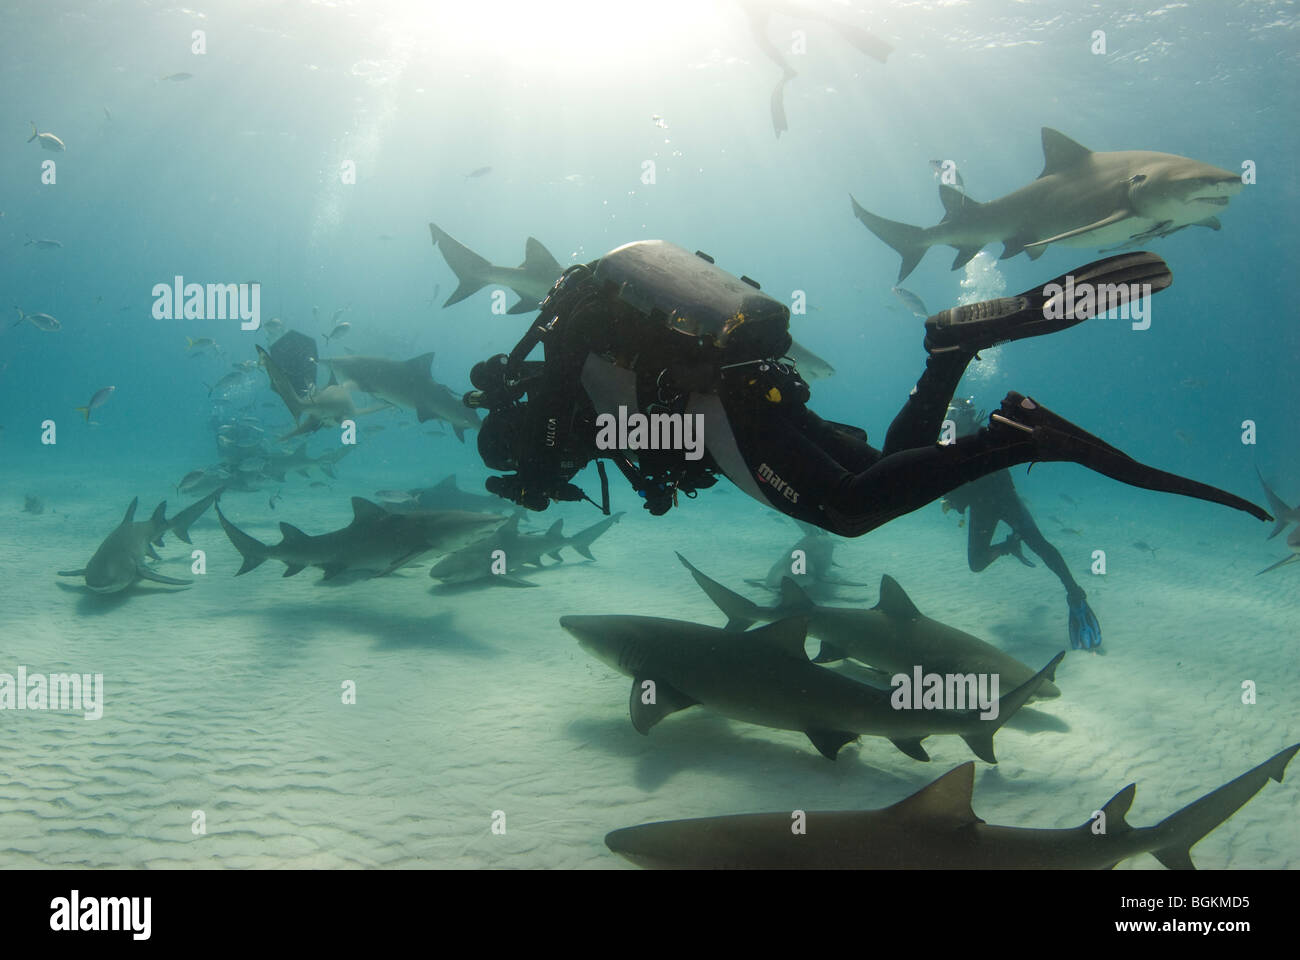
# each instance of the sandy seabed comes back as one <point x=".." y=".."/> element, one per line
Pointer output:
<point x="226" y="697"/>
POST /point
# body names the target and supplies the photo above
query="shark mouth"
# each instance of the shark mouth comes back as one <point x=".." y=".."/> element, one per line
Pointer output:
<point x="1217" y="201"/>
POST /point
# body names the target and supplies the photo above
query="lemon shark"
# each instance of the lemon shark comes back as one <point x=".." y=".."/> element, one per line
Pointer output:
<point x="120" y="560"/>
<point x="1083" y="198"/>
<point x="533" y="279"/>
<point x="936" y="828"/>
<point x="408" y="383"/>
<point x="376" y="541"/>
<point x="816" y="549"/>
<point x="763" y="676"/>
<point x="893" y="636"/>
<point x="474" y="562"/>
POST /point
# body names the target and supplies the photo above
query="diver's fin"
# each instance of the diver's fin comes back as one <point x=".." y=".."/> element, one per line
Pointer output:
<point x="1044" y="309"/>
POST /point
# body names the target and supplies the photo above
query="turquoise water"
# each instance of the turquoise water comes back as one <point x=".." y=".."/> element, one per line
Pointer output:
<point x="476" y="700"/>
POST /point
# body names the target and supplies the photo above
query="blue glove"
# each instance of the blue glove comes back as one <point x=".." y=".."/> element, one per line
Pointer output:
<point x="1085" y="631"/>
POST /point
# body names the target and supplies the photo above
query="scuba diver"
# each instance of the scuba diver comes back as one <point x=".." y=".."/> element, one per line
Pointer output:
<point x="652" y="330"/>
<point x="992" y="498"/>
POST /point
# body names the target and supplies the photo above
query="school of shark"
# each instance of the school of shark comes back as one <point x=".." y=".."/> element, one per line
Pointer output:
<point x="868" y="672"/>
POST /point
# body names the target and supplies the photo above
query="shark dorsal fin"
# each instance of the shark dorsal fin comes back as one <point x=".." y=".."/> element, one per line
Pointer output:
<point x="130" y="511"/>
<point x="1060" y="152"/>
<point x="538" y="258"/>
<point x="894" y="601"/>
<point x="787" y="636"/>
<point x="422" y="363"/>
<point x="291" y="534"/>
<point x="334" y="380"/>
<point x="159" y="518"/>
<point x="793" y="595"/>
<point x="946" y="801"/>
<point x="557" y="529"/>
<point x="448" y="483"/>
<point x="363" y="509"/>
<point x="954" y="202"/>
<point x="1115" y="810"/>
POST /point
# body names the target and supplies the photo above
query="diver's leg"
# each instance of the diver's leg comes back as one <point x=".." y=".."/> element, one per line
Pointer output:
<point x="1017" y="517"/>
<point x="981" y="520"/>
<point x="1021" y="432"/>
<point x="919" y="421"/>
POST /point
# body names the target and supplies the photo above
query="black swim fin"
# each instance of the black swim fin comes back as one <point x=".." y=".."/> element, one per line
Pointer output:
<point x="1094" y="289"/>
<point x="1057" y="439"/>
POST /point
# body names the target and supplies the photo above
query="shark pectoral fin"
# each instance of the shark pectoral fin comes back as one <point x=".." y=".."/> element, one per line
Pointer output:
<point x="828" y="742"/>
<point x="525" y="304"/>
<point x="1104" y="222"/>
<point x="1034" y="252"/>
<point x="1014" y="245"/>
<point x="73" y="573"/>
<point x="151" y="552"/>
<point x="1210" y="222"/>
<point x="147" y="574"/>
<point x="981" y="744"/>
<point x="332" y="570"/>
<point x="291" y="569"/>
<point x="787" y="636"/>
<point x="829" y="653"/>
<point x="964" y="256"/>
<point x="666" y="699"/>
<point x="912" y="747"/>
<point x="460" y="433"/>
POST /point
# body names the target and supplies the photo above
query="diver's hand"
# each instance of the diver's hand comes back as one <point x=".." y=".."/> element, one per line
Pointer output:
<point x="513" y="488"/>
<point x="1085" y="631"/>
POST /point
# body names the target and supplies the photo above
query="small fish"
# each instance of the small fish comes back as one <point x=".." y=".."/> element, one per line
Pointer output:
<point x="945" y="171"/>
<point x="1056" y="520"/>
<point x="394" y="496"/>
<point x="226" y="382"/>
<point x="48" y="140"/>
<point x="315" y="312"/>
<point x="1073" y="532"/>
<point x="1143" y="545"/>
<point x="317" y="483"/>
<point x="1183" y="436"/>
<point x="41" y="321"/>
<point x="338" y="331"/>
<point x="1069" y="499"/>
<point x="251" y="465"/>
<point x="911" y="301"/>
<point x="178" y="77"/>
<point x="44" y="244"/>
<point x="480" y="172"/>
<point x="273" y="499"/>
<point x="190" y="481"/>
<point x="245" y="365"/>
<point x="98" y="400"/>
<point x="201" y="344"/>
<point x="107" y="115"/>
<point x="33" y="504"/>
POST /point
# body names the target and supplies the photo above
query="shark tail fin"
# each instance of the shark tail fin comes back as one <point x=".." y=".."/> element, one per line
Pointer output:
<point x="1276" y="505"/>
<point x="1179" y="832"/>
<point x="253" y="551"/>
<point x="909" y="242"/>
<point x="471" y="270"/>
<point x="741" y="613"/>
<point x="981" y="742"/>
<point x="34" y="133"/>
<point x="583" y="539"/>
<point x="1182" y="830"/>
